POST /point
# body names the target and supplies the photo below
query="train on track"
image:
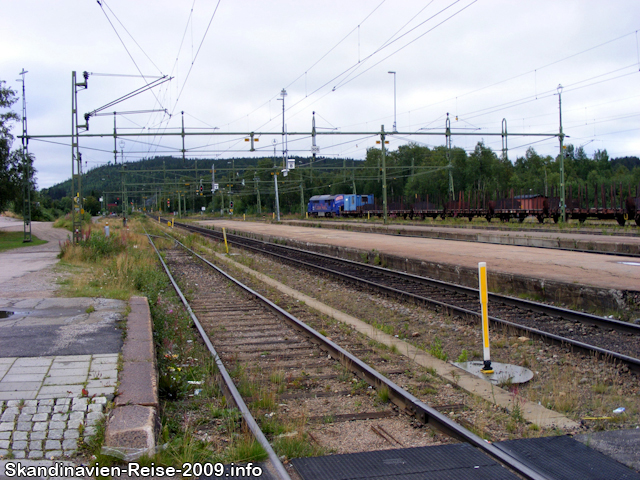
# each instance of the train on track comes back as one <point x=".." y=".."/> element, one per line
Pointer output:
<point x="602" y="203"/>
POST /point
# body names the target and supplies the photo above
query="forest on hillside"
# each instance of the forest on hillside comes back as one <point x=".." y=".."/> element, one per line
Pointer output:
<point x="412" y="170"/>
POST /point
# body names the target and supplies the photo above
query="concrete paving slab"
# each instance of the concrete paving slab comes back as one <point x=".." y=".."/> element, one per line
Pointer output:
<point x="65" y="380"/>
<point x="33" y="377"/>
<point x="73" y="358"/>
<point x="51" y="379"/>
<point x="17" y="370"/>
<point x="18" y="386"/>
<point x="100" y="391"/>
<point x="110" y="382"/>
<point x="57" y="391"/>
<point x="33" y="361"/>
<point x="59" y="364"/>
<point x="56" y="371"/>
<point x="105" y="361"/>
<point x="103" y="374"/>
<point x="19" y="395"/>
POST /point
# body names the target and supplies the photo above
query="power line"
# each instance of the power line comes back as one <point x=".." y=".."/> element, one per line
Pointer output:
<point x="529" y="72"/>
<point x="196" y="55"/>
<point x="340" y="85"/>
<point x="132" y="38"/>
<point x="313" y="65"/>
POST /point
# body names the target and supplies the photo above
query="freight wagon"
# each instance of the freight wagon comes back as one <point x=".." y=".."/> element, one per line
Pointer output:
<point x="600" y="202"/>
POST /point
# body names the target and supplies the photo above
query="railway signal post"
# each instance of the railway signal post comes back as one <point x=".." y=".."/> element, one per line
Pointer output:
<point x="484" y="303"/>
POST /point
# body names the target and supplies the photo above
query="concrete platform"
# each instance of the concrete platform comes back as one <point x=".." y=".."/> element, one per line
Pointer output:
<point x="569" y="239"/>
<point x="583" y="280"/>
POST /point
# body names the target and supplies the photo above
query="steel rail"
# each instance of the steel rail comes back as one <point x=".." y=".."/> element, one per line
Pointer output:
<point x="230" y="390"/>
<point x="399" y="396"/>
<point x="632" y="362"/>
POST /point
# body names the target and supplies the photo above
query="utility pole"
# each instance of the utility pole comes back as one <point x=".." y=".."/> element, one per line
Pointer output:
<point x="449" y="162"/>
<point x="395" y="129"/>
<point x="384" y="174"/>
<point x="124" y="186"/>
<point x="314" y="147"/>
<point x="275" y="166"/>
<point x="505" y="146"/>
<point x="561" y="138"/>
<point x="302" y="198"/>
<point x="256" y="179"/>
<point x="183" y="150"/>
<point x="26" y="199"/>
<point x="275" y="179"/>
<point x="283" y="94"/>
<point x="76" y="157"/>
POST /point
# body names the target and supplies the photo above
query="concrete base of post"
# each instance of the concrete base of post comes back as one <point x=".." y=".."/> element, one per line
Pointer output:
<point x="501" y="373"/>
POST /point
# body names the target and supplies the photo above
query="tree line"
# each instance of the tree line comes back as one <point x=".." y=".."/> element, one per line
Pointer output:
<point x="412" y="170"/>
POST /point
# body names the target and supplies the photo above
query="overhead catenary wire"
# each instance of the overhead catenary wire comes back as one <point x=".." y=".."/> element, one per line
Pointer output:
<point x="355" y="65"/>
<point x="314" y="64"/>
<point x="196" y="55"/>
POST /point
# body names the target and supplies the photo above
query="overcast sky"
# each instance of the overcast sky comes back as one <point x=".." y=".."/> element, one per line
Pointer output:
<point x="480" y="61"/>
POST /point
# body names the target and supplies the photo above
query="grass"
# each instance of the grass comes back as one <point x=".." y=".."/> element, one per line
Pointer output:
<point x="11" y="240"/>
<point x="297" y="446"/>
<point x="437" y="351"/>
<point x="464" y="356"/>
<point x="383" y="394"/>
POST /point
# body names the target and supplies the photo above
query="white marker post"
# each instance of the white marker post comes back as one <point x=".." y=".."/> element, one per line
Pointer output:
<point x="484" y="303"/>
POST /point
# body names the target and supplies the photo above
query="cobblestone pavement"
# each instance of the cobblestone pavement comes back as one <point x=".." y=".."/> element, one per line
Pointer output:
<point x="47" y="428"/>
<point x="50" y="404"/>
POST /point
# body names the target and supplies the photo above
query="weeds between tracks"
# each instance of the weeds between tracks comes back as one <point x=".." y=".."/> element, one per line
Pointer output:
<point x="197" y="425"/>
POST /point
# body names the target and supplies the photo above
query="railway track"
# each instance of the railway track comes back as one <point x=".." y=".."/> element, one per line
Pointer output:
<point x="611" y="339"/>
<point x="276" y="367"/>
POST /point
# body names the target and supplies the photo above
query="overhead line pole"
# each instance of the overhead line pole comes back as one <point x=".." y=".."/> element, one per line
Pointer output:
<point x="384" y="174"/>
<point x="26" y="199"/>
<point x="76" y="158"/>
<point x="561" y="138"/>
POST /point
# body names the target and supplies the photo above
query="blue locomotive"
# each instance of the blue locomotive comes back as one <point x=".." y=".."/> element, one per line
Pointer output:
<point x="338" y="205"/>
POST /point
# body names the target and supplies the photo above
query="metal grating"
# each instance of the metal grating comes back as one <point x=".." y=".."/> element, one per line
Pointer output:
<point x="563" y="458"/>
<point x="443" y="462"/>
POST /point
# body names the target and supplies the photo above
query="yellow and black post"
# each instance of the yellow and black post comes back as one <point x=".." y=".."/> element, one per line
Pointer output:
<point x="484" y="303"/>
